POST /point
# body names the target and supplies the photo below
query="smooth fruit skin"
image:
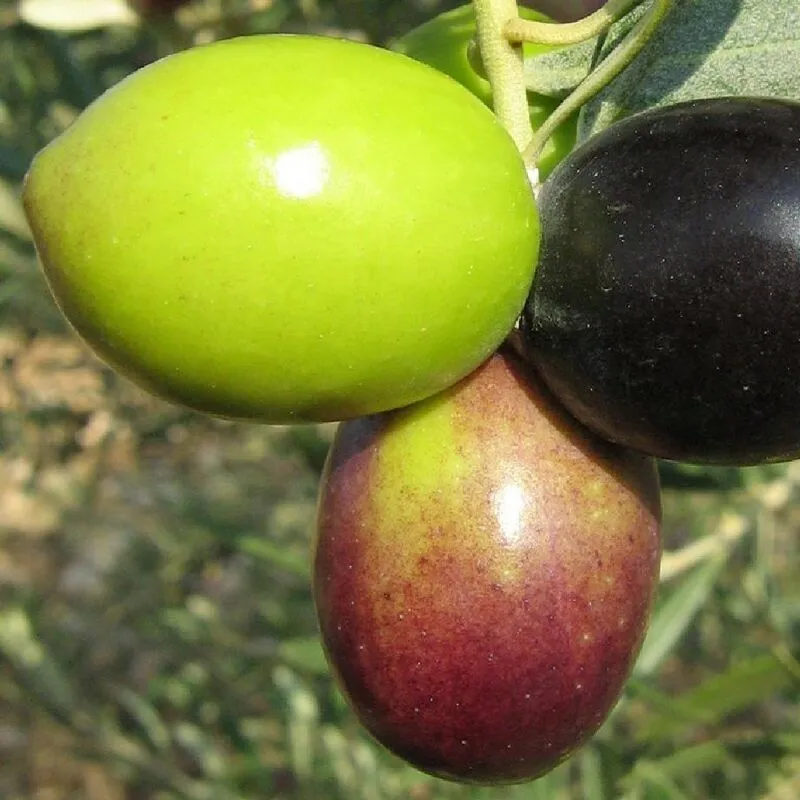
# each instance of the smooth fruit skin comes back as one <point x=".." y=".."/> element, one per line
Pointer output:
<point x="444" y="43"/>
<point x="666" y="310"/>
<point x="287" y="228"/>
<point x="483" y="576"/>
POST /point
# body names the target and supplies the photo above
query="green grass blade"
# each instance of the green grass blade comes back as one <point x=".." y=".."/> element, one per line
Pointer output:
<point x="674" y="616"/>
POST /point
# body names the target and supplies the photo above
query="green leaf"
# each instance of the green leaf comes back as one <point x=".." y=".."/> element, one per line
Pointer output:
<point x="704" y="48"/>
<point x="742" y="685"/>
<point x="146" y="717"/>
<point x="302" y="720"/>
<point x="44" y="678"/>
<point x="338" y="751"/>
<point x="591" y="766"/>
<point x="556" y="73"/>
<point x="699" y="758"/>
<point x="552" y="786"/>
<point x="79" y="85"/>
<point x="663" y="706"/>
<point x="305" y="654"/>
<point x="789" y="741"/>
<point x="652" y="777"/>
<point x="202" y="748"/>
<point x="674" y="616"/>
<point x="279" y="557"/>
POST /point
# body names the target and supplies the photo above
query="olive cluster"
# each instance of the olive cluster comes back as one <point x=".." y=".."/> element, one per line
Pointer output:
<point x="293" y="229"/>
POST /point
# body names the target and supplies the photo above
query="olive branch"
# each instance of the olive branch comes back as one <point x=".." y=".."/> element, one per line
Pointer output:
<point x="501" y="33"/>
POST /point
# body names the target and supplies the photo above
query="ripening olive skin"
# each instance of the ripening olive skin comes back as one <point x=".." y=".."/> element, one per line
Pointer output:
<point x="483" y="575"/>
<point x="665" y="313"/>
<point x="445" y="43"/>
<point x="287" y="228"/>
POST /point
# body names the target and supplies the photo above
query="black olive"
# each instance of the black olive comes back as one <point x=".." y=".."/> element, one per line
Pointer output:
<point x="665" y="311"/>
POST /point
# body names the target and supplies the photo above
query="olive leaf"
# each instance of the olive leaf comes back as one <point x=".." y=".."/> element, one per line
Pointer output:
<point x="704" y="48"/>
<point x="743" y="684"/>
<point x="556" y="73"/>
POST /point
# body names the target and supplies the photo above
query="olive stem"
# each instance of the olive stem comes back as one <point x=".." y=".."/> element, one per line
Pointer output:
<point x="504" y="67"/>
<point x="526" y="30"/>
<point x="608" y="69"/>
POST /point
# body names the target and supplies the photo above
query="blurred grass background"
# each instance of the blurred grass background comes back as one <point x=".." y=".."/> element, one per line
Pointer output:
<point x="157" y="634"/>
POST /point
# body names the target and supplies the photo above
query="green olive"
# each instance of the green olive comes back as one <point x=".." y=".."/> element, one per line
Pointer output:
<point x="287" y="228"/>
